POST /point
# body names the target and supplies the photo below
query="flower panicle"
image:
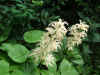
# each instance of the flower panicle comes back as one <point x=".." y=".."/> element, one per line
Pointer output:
<point x="78" y="32"/>
<point x="50" y="42"/>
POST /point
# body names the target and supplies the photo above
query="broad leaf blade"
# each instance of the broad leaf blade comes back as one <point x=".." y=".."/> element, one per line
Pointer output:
<point x="33" y="36"/>
<point x="66" y="68"/>
<point x="16" y="52"/>
<point x="4" y="67"/>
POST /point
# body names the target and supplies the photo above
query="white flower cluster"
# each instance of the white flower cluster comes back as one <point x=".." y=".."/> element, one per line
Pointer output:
<point x="50" y="42"/>
<point x="77" y="32"/>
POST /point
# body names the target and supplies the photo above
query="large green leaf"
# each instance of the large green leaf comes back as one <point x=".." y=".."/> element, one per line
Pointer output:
<point x="33" y="36"/>
<point x="66" y="68"/>
<point x="16" y="52"/>
<point x="4" y="67"/>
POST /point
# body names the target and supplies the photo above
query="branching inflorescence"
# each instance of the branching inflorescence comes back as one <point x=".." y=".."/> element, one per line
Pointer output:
<point x="78" y="33"/>
<point x="52" y="40"/>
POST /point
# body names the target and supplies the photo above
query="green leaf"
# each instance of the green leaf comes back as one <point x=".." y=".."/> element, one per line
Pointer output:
<point x="20" y="69"/>
<point x="17" y="72"/>
<point x="33" y="36"/>
<point x="52" y="69"/>
<point x="37" y="3"/>
<point x="96" y="37"/>
<point x="4" y="67"/>
<point x="16" y="52"/>
<point x="97" y="25"/>
<point x="66" y="68"/>
<point x="3" y="56"/>
<point x="36" y="71"/>
<point x="5" y="33"/>
<point x="15" y="67"/>
<point x="58" y="73"/>
<point x="76" y="57"/>
<point x="47" y="72"/>
<point x="44" y="72"/>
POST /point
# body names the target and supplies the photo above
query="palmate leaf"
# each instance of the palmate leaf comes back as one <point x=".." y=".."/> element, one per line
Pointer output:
<point x="4" y="67"/>
<point x="33" y="36"/>
<point x="66" y="68"/>
<point x="16" y="52"/>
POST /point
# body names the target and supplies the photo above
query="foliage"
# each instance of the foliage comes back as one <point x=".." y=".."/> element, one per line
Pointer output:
<point x="22" y="23"/>
<point x="33" y="36"/>
<point x="67" y="68"/>
<point x="4" y="67"/>
<point x="16" y="52"/>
